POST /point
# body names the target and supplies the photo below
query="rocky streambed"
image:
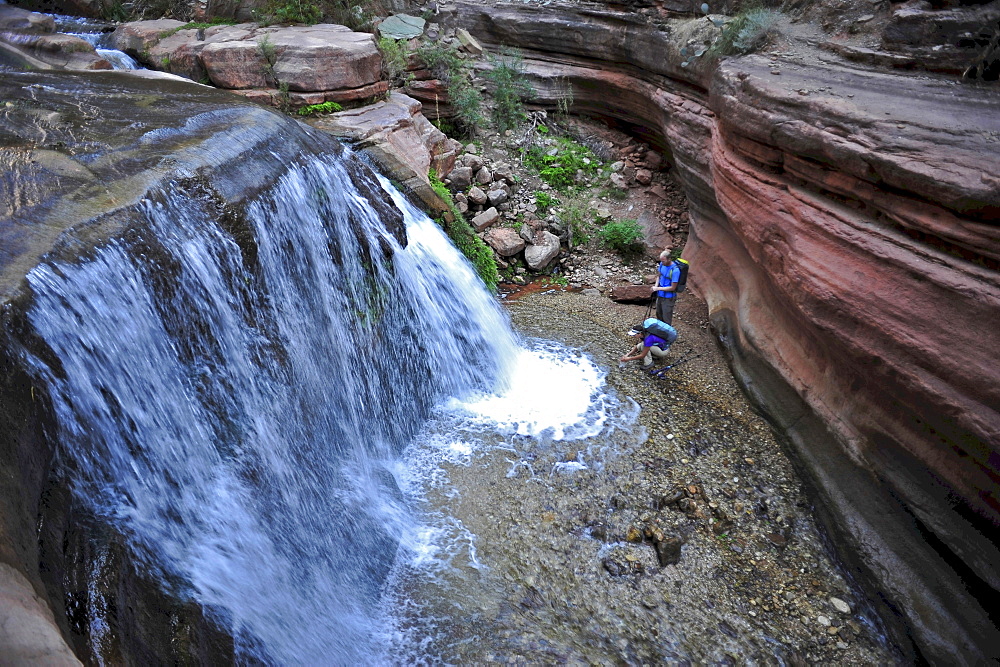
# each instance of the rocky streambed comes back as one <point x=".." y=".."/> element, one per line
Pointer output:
<point x="693" y="542"/>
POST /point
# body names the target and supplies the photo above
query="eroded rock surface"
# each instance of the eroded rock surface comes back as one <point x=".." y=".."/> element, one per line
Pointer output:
<point x="398" y="136"/>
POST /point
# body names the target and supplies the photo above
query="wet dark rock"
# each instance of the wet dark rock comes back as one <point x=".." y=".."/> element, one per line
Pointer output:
<point x="668" y="552"/>
<point x="669" y="500"/>
<point x="727" y="629"/>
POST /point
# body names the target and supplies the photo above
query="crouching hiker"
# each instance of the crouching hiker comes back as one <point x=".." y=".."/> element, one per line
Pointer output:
<point x="657" y="337"/>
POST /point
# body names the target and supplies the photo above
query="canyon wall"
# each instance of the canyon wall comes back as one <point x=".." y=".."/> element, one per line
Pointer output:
<point x="844" y="233"/>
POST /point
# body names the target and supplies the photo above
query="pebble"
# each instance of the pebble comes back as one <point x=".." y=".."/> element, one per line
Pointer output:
<point x="840" y="605"/>
<point x="823" y="620"/>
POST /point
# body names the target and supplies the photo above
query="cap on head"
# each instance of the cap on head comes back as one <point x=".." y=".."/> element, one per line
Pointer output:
<point x="635" y="330"/>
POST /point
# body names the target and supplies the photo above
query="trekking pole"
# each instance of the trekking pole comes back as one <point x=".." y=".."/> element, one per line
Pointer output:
<point x="658" y="372"/>
<point x="649" y="308"/>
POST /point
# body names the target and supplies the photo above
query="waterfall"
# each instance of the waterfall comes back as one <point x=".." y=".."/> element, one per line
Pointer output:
<point x="231" y="391"/>
<point x="92" y="32"/>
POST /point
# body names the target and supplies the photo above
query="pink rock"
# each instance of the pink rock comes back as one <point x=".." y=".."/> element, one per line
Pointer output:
<point x="485" y="219"/>
<point x="505" y="241"/>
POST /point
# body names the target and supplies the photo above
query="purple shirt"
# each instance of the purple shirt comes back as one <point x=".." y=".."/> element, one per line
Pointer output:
<point x="651" y="340"/>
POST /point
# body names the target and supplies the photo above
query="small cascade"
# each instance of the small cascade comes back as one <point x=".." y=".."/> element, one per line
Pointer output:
<point x="233" y="389"/>
<point x="98" y="37"/>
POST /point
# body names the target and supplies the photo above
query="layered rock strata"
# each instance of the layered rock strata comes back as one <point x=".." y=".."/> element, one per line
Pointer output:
<point x="28" y="41"/>
<point x="293" y="66"/>
<point x="844" y="234"/>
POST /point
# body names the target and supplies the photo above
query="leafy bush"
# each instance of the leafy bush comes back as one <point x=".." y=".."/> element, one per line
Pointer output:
<point x="544" y="201"/>
<point x="322" y="107"/>
<point x="293" y="11"/>
<point x="625" y="236"/>
<point x="456" y="74"/>
<point x="576" y="217"/>
<point x="511" y="86"/>
<point x="394" y="60"/>
<point x="559" y="167"/>
<point x="746" y="32"/>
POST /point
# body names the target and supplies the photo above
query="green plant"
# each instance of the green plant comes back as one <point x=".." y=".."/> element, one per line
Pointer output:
<point x="394" y="60"/>
<point x="544" y="201"/>
<point x="267" y="50"/>
<point x="322" y="107"/>
<point x="557" y="279"/>
<point x="165" y="62"/>
<point x="284" y="99"/>
<point x="615" y="193"/>
<point x="292" y="11"/>
<point x="575" y="217"/>
<point x="510" y="87"/>
<point x="116" y="12"/>
<point x="558" y="166"/>
<point x="625" y="236"/>
<point x="456" y="74"/>
<point x="358" y="15"/>
<point x="464" y="237"/>
<point x="564" y="101"/>
<point x="746" y="32"/>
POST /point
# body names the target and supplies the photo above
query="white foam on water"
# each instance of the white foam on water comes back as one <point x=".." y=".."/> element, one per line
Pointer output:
<point x="551" y="390"/>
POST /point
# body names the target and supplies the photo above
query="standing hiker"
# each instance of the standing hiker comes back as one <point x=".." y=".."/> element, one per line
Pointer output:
<point x="666" y="287"/>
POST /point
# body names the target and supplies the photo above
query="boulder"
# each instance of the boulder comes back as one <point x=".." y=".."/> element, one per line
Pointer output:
<point x="631" y="294"/>
<point x="320" y="58"/>
<point x="497" y="196"/>
<point x="477" y="196"/>
<point x="483" y="176"/>
<point x="542" y="252"/>
<point x="400" y="139"/>
<point x="15" y="18"/>
<point x="402" y="26"/>
<point x="460" y="177"/>
<point x="488" y="217"/>
<point x="468" y="42"/>
<point x="505" y="241"/>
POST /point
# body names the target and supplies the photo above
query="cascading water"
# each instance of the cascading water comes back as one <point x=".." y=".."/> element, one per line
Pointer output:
<point x="235" y="409"/>
<point x="94" y="33"/>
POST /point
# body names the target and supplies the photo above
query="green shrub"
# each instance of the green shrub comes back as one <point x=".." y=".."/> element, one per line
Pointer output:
<point x="625" y="236"/>
<point x="357" y="15"/>
<point x="116" y="12"/>
<point x="394" y="60"/>
<point x="322" y="107"/>
<point x="293" y="11"/>
<point x="559" y="167"/>
<point x="464" y="237"/>
<point x="576" y="218"/>
<point x="617" y="194"/>
<point x="746" y="32"/>
<point x="510" y="87"/>
<point x="267" y="50"/>
<point x="544" y="201"/>
<point x="456" y="74"/>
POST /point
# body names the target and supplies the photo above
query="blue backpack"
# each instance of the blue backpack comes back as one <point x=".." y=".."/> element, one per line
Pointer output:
<point x="660" y="329"/>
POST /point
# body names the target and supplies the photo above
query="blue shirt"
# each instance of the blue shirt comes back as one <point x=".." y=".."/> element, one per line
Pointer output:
<point x="669" y="275"/>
